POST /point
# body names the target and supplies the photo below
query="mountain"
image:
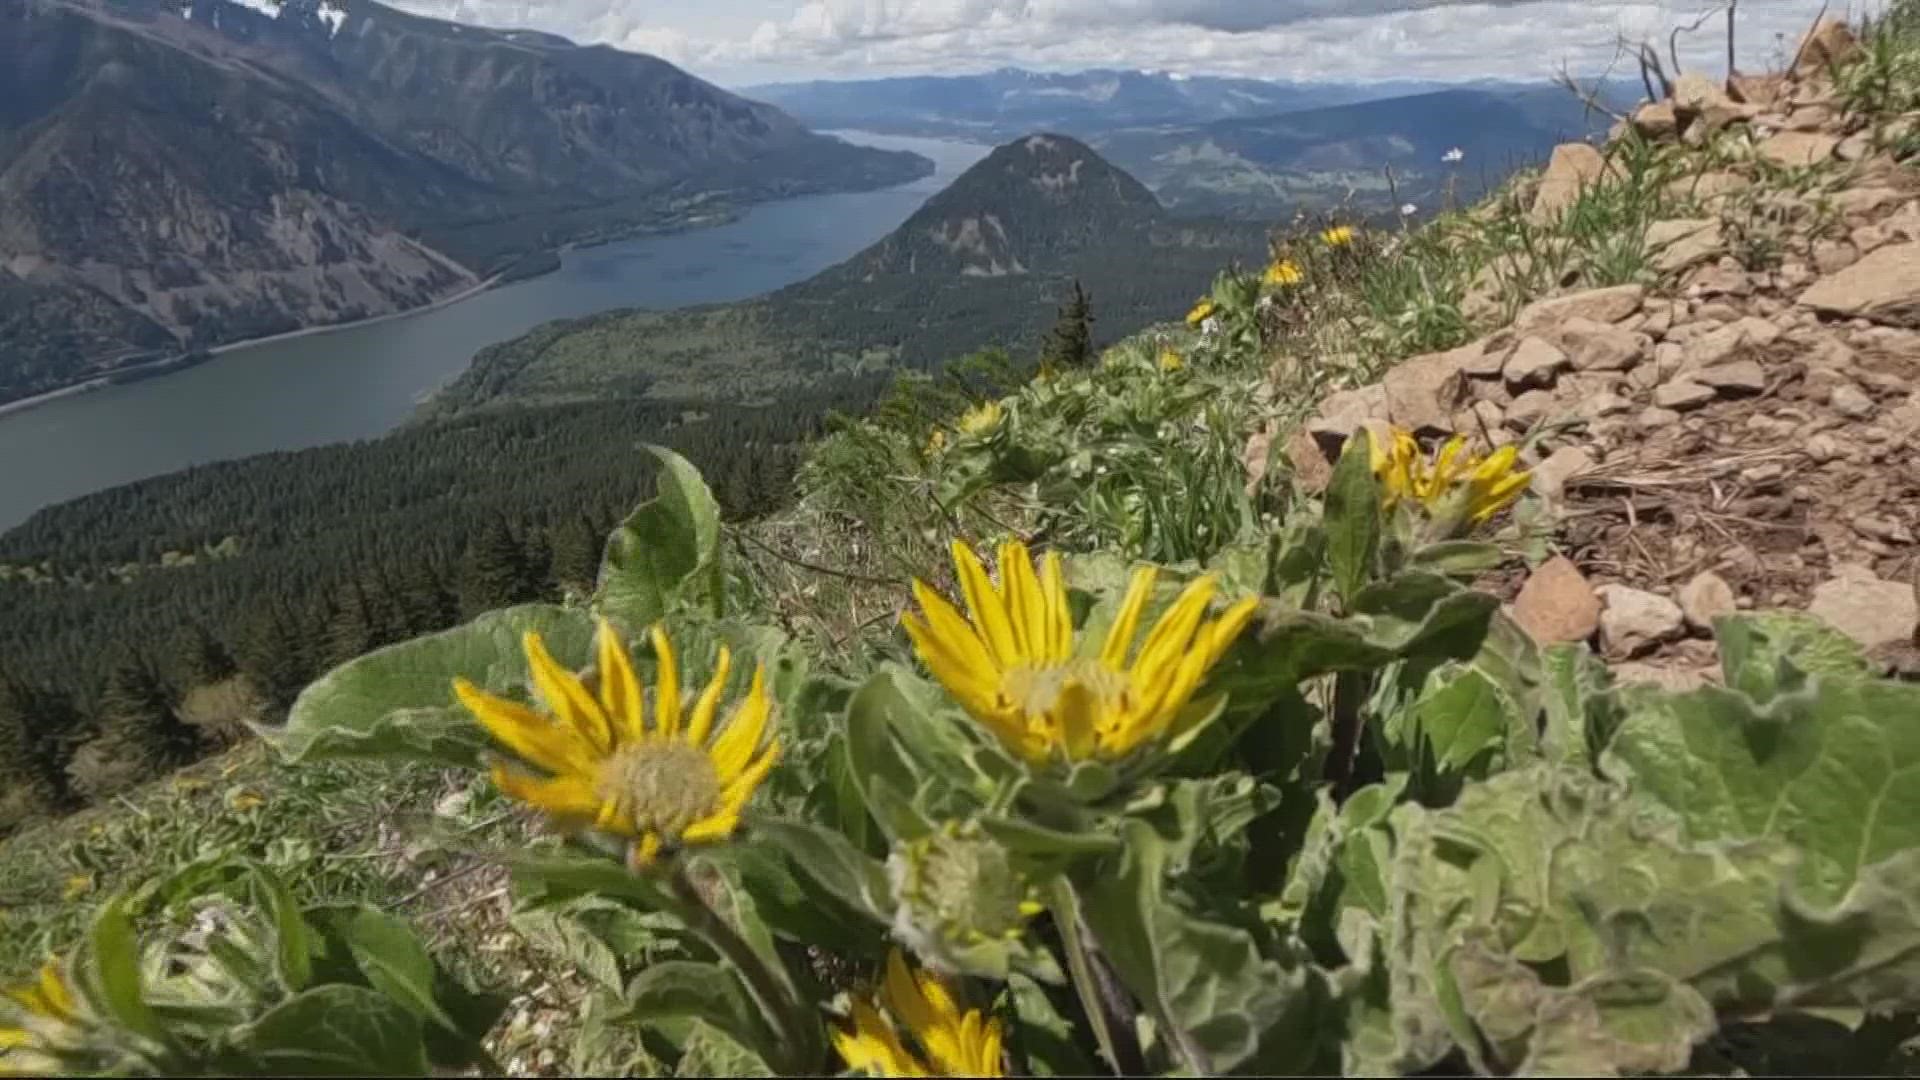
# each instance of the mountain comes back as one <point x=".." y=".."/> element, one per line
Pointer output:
<point x="1001" y="104"/>
<point x="981" y="264"/>
<point x="1314" y="159"/>
<point x="1027" y="206"/>
<point x="176" y="174"/>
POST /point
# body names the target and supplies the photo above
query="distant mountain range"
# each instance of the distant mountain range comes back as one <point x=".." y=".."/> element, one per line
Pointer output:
<point x="980" y="264"/>
<point x="1010" y="102"/>
<point x="176" y="174"/>
<point x="1242" y="147"/>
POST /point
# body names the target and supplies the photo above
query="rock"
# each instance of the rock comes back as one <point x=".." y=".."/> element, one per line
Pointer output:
<point x="1798" y="149"/>
<point x="1659" y="321"/>
<point x="1707" y="188"/>
<point x="1311" y="469"/>
<point x="1632" y="620"/>
<point x="1607" y="305"/>
<point x="1573" y="168"/>
<point x="1597" y="346"/>
<point x="1342" y="412"/>
<point x="1854" y="147"/>
<point x="1851" y="402"/>
<point x="1761" y="332"/>
<point x="1705" y="107"/>
<point x="1760" y="90"/>
<point x="1652" y="419"/>
<point x="1714" y="347"/>
<point x="1556" y="605"/>
<point x="1478" y="359"/>
<point x="1535" y="362"/>
<point x="1833" y="256"/>
<point x="1866" y="609"/>
<point x="1868" y="238"/>
<point x="1883" y="286"/>
<point x="1721" y="280"/>
<point x="1706" y="598"/>
<point x="1883" y="528"/>
<point x="1671" y="679"/>
<point x="1523" y="412"/>
<point x="1682" y="242"/>
<point x="1826" y="46"/>
<point x="1423" y="392"/>
<point x="1656" y="120"/>
<point x="1823" y="448"/>
<point x="1742" y="377"/>
<point x="1595" y="406"/>
<point x="1550" y="476"/>
<point x="1668" y="358"/>
<point x="1682" y="394"/>
<point x="1860" y="201"/>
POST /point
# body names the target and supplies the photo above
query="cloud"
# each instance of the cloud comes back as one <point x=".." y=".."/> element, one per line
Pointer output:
<point x="740" y="41"/>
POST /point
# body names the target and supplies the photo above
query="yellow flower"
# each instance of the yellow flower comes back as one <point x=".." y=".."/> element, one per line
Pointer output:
<point x="1337" y="236"/>
<point x="246" y="799"/>
<point x="1201" y="312"/>
<point x="42" y="1009"/>
<point x="661" y="784"/>
<point x="1283" y="274"/>
<point x="937" y="441"/>
<point x="1013" y="667"/>
<point x="949" y="1041"/>
<point x="1171" y="361"/>
<point x="982" y="418"/>
<point x="78" y="885"/>
<point x="1457" y="488"/>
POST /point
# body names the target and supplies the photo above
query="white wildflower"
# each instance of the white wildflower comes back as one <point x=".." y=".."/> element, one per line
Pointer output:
<point x="1453" y="156"/>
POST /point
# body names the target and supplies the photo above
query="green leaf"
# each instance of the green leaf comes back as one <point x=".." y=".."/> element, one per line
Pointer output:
<point x="293" y="938"/>
<point x="884" y="775"/>
<point x="557" y="931"/>
<point x="112" y="973"/>
<point x="834" y="864"/>
<point x="1231" y="1006"/>
<point x="1768" y="653"/>
<point x="681" y="989"/>
<point x="337" y="1031"/>
<point x="1462" y="716"/>
<point x="395" y="962"/>
<point x="1580" y="717"/>
<point x="1353" y="518"/>
<point x="669" y="544"/>
<point x="1043" y="1038"/>
<point x="1832" y="768"/>
<point x="1027" y="838"/>
<point x="1420" y="614"/>
<point x="397" y="702"/>
<point x="544" y="880"/>
<point x="1458" y="558"/>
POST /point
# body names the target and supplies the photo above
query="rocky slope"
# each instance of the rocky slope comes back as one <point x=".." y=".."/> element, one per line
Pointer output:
<point x="182" y="174"/>
<point x="1742" y="431"/>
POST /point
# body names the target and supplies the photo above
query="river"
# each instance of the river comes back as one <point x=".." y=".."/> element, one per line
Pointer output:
<point x="362" y="381"/>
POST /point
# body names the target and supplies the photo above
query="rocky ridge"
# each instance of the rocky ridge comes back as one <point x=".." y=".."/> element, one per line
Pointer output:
<point x="1740" y="431"/>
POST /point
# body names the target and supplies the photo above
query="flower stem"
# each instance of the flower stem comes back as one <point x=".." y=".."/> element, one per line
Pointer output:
<point x="799" y="1039"/>
<point x="1102" y="1001"/>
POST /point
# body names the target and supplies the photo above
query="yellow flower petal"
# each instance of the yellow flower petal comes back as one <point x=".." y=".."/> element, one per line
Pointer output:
<point x="737" y="741"/>
<point x="983" y="602"/>
<point x="666" y="694"/>
<point x="1127" y="623"/>
<point x="534" y="737"/>
<point x="564" y="695"/>
<point x="704" y="709"/>
<point x="620" y="696"/>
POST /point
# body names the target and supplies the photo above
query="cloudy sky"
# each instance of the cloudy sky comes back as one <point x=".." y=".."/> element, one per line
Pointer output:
<point x="736" y="42"/>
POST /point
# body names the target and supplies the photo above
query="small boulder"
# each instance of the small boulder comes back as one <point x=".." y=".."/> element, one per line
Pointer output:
<point x="1606" y="305"/>
<point x="1683" y="394"/>
<point x="1708" y="188"/>
<point x="1596" y="346"/>
<point x="1737" y="379"/>
<point x="1423" y="392"/>
<point x="1557" y="605"/>
<point x="1573" y="169"/>
<point x="1656" y="120"/>
<point x="1706" y="598"/>
<point x="1850" y="401"/>
<point x="1798" y="149"/>
<point x="1344" y="411"/>
<point x="1523" y="412"/>
<point x="1683" y="242"/>
<point x="1536" y="362"/>
<point x="1883" y="286"/>
<point x="1655" y="418"/>
<point x="1704" y="107"/>
<point x="1550" y="476"/>
<point x="1632" y="621"/>
<point x="1674" y="680"/>
<point x="1826" y="46"/>
<point x="1311" y="469"/>
<point x="1870" y="611"/>
<point x="1717" y="346"/>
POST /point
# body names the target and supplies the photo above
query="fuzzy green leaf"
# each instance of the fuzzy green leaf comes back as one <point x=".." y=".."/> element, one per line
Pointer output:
<point x="1353" y="518"/>
<point x="112" y="972"/>
<point x="395" y="962"/>
<point x="397" y="702"/>
<point x="681" y="989"/>
<point x="669" y="544"/>
<point x="832" y="863"/>
<point x="1766" y="653"/>
<point x="337" y="1030"/>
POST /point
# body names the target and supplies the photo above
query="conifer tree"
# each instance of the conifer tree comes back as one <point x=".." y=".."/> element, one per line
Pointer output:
<point x="138" y="724"/>
<point x="576" y="554"/>
<point x="28" y="790"/>
<point x="350" y="632"/>
<point x="1070" y="342"/>
<point x="201" y="659"/>
<point x="494" y="573"/>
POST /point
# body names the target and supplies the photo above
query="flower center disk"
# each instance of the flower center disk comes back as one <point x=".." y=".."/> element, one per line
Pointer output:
<point x="660" y="785"/>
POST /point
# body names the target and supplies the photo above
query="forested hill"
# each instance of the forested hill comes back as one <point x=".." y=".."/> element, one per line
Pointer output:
<point x="1008" y="238"/>
<point x="176" y="174"/>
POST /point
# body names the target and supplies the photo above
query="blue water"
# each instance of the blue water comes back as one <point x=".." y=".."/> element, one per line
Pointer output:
<point x="360" y="382"/>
